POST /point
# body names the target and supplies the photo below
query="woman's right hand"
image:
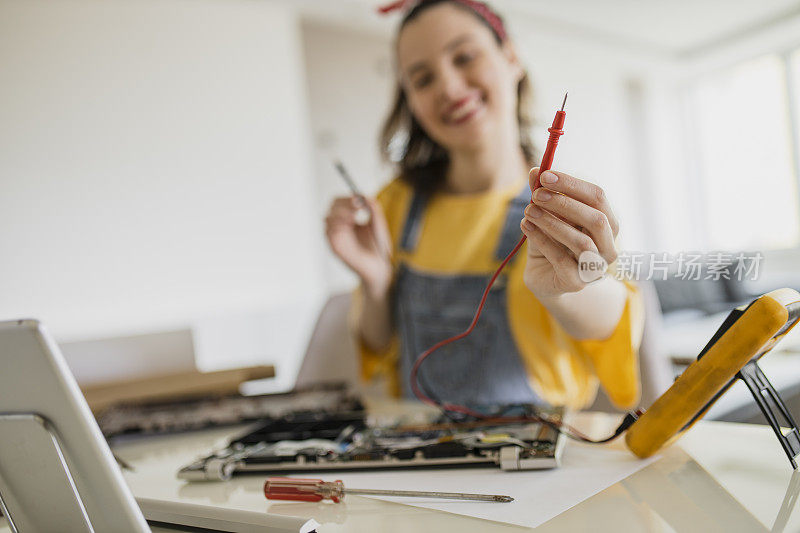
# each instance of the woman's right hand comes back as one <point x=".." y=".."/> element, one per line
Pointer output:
<point x="363" y="247"/>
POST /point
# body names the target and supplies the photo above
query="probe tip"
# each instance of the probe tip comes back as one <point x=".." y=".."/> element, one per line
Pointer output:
<point x="504" y="499"/>
<point x="565" y="101"/>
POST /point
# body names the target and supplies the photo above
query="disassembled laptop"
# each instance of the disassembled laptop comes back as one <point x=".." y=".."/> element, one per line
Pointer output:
<point x="337" y="434"/>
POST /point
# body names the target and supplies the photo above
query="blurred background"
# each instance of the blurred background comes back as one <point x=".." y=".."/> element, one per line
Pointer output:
<point x="165" y="165"/>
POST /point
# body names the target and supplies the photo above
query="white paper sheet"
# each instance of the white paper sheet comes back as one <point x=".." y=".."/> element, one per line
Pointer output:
<point x="539" y="495"/>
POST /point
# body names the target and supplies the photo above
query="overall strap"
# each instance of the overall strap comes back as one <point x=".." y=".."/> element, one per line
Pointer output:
<point x="511" y="234"/>
<point x="413" y="224"/>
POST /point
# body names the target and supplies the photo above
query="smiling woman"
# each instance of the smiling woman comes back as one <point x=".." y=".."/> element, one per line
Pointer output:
<point x="414" y="111"/>
<point x="453" y="214"/>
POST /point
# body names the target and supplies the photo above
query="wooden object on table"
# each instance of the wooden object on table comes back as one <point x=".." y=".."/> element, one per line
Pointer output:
<point x="179" y="386"/>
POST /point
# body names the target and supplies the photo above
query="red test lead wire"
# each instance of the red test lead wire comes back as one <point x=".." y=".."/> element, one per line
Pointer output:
<point x="556" y="131"/>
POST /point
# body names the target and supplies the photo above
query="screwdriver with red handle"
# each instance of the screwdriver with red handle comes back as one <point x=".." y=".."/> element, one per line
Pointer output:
<point x="314" y="490"/>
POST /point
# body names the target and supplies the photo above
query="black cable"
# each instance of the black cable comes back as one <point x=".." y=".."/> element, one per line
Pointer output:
<point x="561" y="427"/>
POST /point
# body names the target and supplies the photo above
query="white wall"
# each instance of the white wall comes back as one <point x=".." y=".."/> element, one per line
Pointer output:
<point x="154" y="166"/>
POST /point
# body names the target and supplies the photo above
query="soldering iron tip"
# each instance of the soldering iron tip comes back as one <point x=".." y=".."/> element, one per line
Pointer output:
<point x="565" y="101"/>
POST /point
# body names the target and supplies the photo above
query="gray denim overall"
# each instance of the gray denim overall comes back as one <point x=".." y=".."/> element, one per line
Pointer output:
<point x="483" y="368"/>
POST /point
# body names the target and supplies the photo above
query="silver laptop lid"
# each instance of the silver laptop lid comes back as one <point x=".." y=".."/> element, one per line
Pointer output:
<point x="56" y="470"/>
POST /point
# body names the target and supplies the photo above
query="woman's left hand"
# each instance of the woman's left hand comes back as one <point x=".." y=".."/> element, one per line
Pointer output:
<point x="568" y="216"/>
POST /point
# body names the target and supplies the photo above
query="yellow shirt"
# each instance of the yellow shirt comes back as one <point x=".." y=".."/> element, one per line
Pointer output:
<point x="460" y="235"/>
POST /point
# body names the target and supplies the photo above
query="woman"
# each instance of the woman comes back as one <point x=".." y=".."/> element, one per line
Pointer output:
<point x="452" y="216"/>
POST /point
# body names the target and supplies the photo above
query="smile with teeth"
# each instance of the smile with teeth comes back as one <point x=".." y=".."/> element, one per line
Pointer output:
<point x="463" y="110"/>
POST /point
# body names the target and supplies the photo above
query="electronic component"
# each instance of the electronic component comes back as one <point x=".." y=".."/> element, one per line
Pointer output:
<point x="315" y="440"/>
<point x="147" y="418"/>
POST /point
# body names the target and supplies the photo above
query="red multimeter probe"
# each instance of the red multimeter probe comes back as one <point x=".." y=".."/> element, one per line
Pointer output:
<point x="556" y="131"/>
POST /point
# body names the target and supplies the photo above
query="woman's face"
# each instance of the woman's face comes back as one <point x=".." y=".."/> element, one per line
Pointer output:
<point x="459" y="83"/>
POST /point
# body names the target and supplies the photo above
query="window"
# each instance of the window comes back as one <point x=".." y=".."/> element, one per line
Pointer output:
<point x="794" y="102"/>
<point x="746" y="154"/>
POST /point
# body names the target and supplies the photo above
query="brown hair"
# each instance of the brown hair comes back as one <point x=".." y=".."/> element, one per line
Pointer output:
<point x="422" y="161"/>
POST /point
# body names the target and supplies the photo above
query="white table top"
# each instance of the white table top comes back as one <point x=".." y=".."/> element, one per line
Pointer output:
<point x="719" y="476"/>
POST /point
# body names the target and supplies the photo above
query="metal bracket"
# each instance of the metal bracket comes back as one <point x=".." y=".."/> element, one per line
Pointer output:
<point x="775" y="411"/>
<point x="57" y="450"/>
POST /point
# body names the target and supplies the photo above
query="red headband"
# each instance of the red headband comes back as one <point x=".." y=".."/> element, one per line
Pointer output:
<point x="481" y="9"/>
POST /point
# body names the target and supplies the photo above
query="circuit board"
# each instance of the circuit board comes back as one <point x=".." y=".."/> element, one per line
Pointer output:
<point x="154" y="418"/>
<point x="347" y="439"/>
